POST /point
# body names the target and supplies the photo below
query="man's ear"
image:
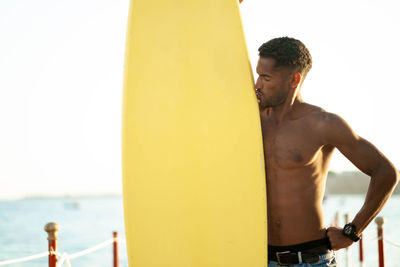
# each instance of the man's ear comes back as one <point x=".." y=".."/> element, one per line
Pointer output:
<point x="296" y="79"/>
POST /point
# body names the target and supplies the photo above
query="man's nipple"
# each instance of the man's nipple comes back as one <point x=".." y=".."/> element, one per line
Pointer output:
<point x="277" y="223"/>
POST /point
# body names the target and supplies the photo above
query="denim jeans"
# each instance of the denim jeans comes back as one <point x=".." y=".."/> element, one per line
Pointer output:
<point x="323" y="262"/>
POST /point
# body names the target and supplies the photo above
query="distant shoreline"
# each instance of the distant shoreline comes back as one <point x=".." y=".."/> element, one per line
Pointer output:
<point x="338" y="183"/>
<point x="350" y="183"/>
<point x="63" y="196"/>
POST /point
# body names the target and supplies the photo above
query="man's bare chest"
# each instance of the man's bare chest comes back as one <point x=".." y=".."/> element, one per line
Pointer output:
<point x="291" y="145"/>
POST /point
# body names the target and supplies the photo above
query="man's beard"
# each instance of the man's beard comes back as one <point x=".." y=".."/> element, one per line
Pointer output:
<point x="274" y="101"/>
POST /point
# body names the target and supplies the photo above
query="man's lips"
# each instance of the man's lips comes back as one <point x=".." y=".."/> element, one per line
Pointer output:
<point x="258" y="93"/>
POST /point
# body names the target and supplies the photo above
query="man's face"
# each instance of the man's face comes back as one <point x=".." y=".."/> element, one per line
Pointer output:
<point x="273" y="83"/>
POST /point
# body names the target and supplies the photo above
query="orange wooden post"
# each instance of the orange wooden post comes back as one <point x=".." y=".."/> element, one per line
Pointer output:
<point x="52" y="230"/>
<point x="379" y="222"/>
<point x="115" y="250"/>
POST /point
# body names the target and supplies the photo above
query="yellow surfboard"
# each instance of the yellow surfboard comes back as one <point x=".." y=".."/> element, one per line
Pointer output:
<point x="193" y="167"/>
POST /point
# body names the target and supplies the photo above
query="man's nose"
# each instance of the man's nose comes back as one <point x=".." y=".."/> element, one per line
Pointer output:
<point x="258" y="84"/>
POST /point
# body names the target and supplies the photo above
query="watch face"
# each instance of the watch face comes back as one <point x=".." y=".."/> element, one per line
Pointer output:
<point x="348" y="229"/>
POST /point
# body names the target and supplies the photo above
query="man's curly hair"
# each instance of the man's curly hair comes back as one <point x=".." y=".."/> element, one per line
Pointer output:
<point x="288" y="52"/>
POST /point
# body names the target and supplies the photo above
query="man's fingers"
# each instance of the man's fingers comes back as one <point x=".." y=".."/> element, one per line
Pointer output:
<point x="330" y="232"/>
<point x="337" y="239"/>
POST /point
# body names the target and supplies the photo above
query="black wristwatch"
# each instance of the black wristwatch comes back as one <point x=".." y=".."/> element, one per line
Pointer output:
<point x="349" y="230"/>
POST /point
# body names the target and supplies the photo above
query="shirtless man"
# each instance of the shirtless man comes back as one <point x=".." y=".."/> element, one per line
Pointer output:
<point x="299" y="140"/>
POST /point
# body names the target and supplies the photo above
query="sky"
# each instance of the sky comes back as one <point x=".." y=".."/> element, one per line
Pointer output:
<point x="61" y="71"/>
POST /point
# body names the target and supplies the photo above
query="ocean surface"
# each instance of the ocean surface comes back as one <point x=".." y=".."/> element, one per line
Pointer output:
<point x="87" y="221"/>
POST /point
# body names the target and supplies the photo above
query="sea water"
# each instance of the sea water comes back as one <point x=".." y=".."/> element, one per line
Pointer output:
<point x="84" y="222"/>
<point x="88" y="221"/>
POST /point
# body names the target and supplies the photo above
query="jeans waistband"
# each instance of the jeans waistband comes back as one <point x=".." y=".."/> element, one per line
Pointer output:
<point x="304" y="252"/>
<point x="319" y="243"/>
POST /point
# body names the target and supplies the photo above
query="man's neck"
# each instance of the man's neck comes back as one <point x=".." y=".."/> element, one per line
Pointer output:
<point x="286" y="110"/>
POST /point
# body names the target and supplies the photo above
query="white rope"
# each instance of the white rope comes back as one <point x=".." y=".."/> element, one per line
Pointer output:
<point x="391" y="243"/>
<point x="64" y="257"/>
<point x="385" y="240"/>
<point x="92" y="249"/>
<point x="29" y="258"/>
<point x="121" y="241"/>
<point x="372" y="239"/>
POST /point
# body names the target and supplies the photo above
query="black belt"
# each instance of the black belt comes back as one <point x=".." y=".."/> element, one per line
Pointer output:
<point x="302" y="253"/>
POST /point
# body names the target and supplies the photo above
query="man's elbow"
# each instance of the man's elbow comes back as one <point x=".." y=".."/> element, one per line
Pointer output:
<point x="392" y="176"/>
<point x="396" y="177"/>
<point x="385" y="174"/>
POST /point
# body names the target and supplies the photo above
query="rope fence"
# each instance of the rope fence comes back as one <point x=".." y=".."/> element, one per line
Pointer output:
<point x="90" y="250"/>
<point x="58" y="259"/>
<point x="28" y="258"/>
<point x="391" y="243"/>
<point x="384" y="240"/>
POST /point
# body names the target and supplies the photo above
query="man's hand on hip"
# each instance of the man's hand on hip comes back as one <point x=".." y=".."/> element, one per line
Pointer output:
<point x="337" y="239"/>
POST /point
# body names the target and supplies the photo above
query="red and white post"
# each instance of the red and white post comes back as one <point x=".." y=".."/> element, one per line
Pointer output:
<point x="52" y="230"/>
<point x="115" y="250"/>
<point x="379" y="222"/>
<point x="361" y="250"/>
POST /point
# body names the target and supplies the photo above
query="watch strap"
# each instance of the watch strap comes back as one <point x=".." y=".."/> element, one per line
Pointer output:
<point x="352" y="235"/>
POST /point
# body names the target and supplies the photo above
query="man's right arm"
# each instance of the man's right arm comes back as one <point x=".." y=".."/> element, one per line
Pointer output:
<point x="367" y="158"/>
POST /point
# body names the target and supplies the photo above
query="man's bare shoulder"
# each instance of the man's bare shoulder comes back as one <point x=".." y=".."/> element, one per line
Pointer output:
<point x="320" y="116"/>
<point x="331" y="127"/>
<point x="310" y="112"/>
<point x="326" y="123"/>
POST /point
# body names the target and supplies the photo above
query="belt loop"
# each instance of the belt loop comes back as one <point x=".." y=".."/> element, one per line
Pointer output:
<point x="299" y="257"/>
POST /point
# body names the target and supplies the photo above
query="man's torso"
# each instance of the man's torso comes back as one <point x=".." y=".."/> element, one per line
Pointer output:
<point x="296" y="158"/>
